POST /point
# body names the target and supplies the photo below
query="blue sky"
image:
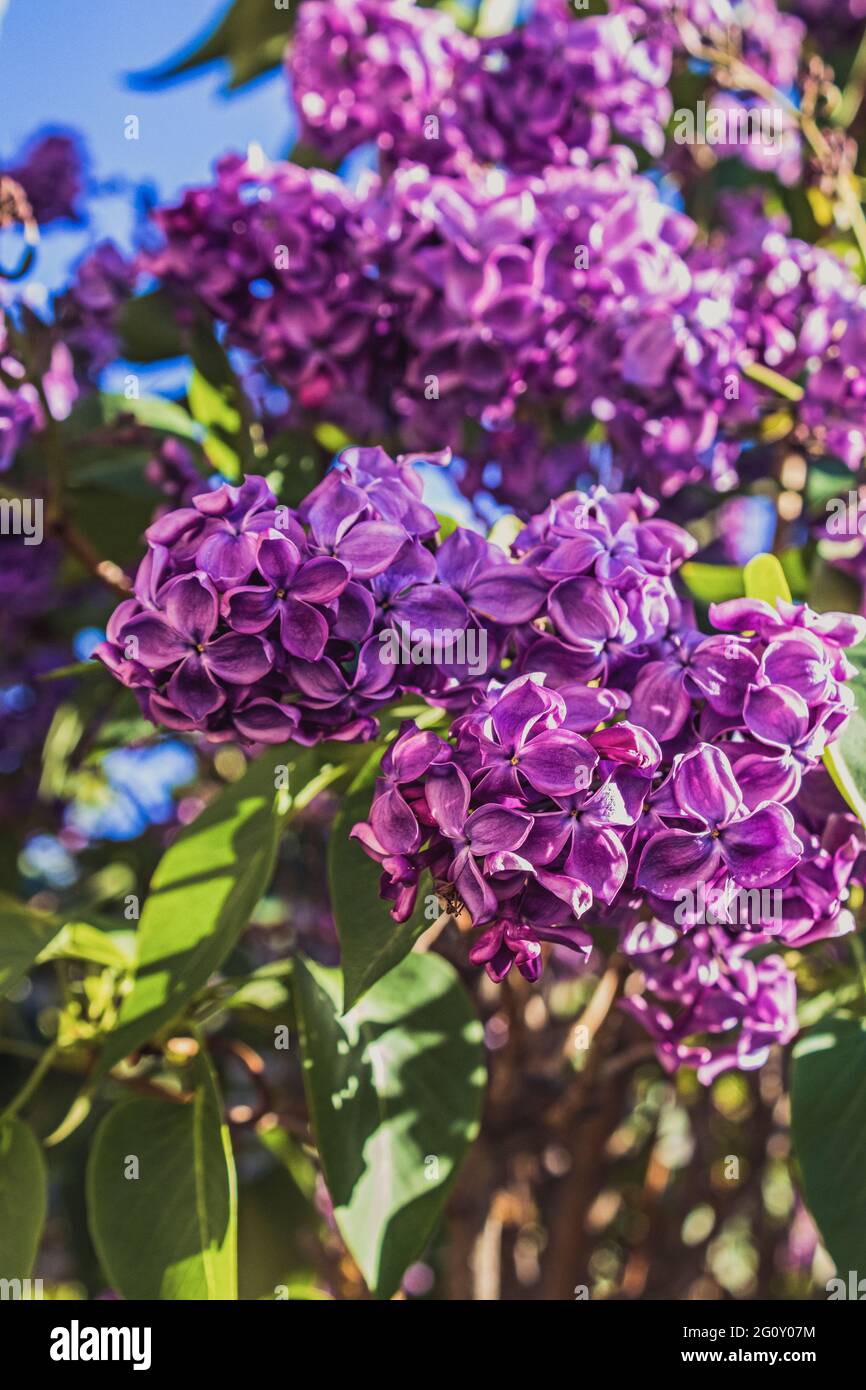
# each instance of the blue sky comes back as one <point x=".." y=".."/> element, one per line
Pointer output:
<point x="65" y="63"/>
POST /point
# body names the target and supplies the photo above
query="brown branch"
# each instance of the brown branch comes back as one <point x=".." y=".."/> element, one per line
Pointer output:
<point x="79" y="546"/>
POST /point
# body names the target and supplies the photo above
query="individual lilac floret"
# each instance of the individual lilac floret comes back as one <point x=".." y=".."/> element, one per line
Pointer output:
<point x="756" y="848"/>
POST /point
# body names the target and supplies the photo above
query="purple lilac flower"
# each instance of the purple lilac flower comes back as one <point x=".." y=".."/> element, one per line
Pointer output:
<point x="476" y="817"/>
<point x="707" y="1004"/>
<point x="87" y="312"/>
<point x="19" y="407"/>
<point x="252" y="618"/>
<point x="552" y="86"/>
<point x="270" y="253"/>
<point x="51" y="172"/>
<point x="377" y="70"/>
<point x="836" y="19"/>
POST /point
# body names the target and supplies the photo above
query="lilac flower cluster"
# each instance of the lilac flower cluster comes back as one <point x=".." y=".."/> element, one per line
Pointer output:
<point x="22" y="412"/>
<point x="19" y="406"/>
<point x="87" y="312"/>
<point x="555" y="85"/>
<point x="509" y="317"/>
<point x="316" y="617"/>
<point x="365" y="70"/>
<point x="271" y="254"/>
<point x="674" y="791"/>
<point x="51" y="173"/>
<point x="429" y="301"/>
<point x="543" y="317"/>
<point x="254" y="621"/>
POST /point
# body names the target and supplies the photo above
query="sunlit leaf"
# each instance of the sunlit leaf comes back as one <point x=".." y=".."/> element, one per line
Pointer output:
<point x="828" y="1121"/>
<point x="161" y="1196"/>
<point x="394" y="1089"/>
<point x="23" y="1198"/>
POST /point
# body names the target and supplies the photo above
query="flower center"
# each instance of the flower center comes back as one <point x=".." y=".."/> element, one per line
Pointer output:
<point x="281" y="593"/>
<point x="199" y="646"/>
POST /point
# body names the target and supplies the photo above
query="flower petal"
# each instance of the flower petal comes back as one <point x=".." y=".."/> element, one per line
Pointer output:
<point x="447" y="795"/>
<point x="370" y="547"/>
<point x="705" y="786"/>
<point x="762" y="848"/>
<point x="674" y="860"/>
<point x="558" y="762"/>
<point x="192" y="691"/>
<point x="494" y="828"/>
<point x="659" y="701"/>
<point x="191" y="607"/>
<point x="156" y="643"/>
<point x="239" y="659"/>
<point x="303" y="630"/>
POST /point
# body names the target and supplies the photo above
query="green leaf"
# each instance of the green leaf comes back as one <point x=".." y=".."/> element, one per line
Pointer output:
<point x="828" y="1121"/>
<point x="24" y="933"/>
<point x="831" y="590"/>
<point x="211" y="409"/>
<point x="394" y="1089"/>
<point x="447" y="525"/>
<point x="170" y="1232"/>
<point x="148" y="330"/>
<point x="201" y="897"/>
<point x="156" y="412"/>
<point x="84" y="941"/>
<point x="218" y="404"/>
<point x="278" y="1225"/>
<point x="765" y="579"/>
<point x="371" y="942"/>
<point x="23" y="1199"/>
<point x="845" y="759"/>
<point x="713" y="583"/>
<point x="795" y="564"/>
<point x="299" y="459"/>
<point x="251" y="36"/>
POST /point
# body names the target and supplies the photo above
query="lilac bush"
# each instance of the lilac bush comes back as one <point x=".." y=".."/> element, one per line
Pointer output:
<point x="432" y="623"/>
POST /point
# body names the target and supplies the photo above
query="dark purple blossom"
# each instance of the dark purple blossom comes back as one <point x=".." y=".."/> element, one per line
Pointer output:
<point x="51" y="172"/>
